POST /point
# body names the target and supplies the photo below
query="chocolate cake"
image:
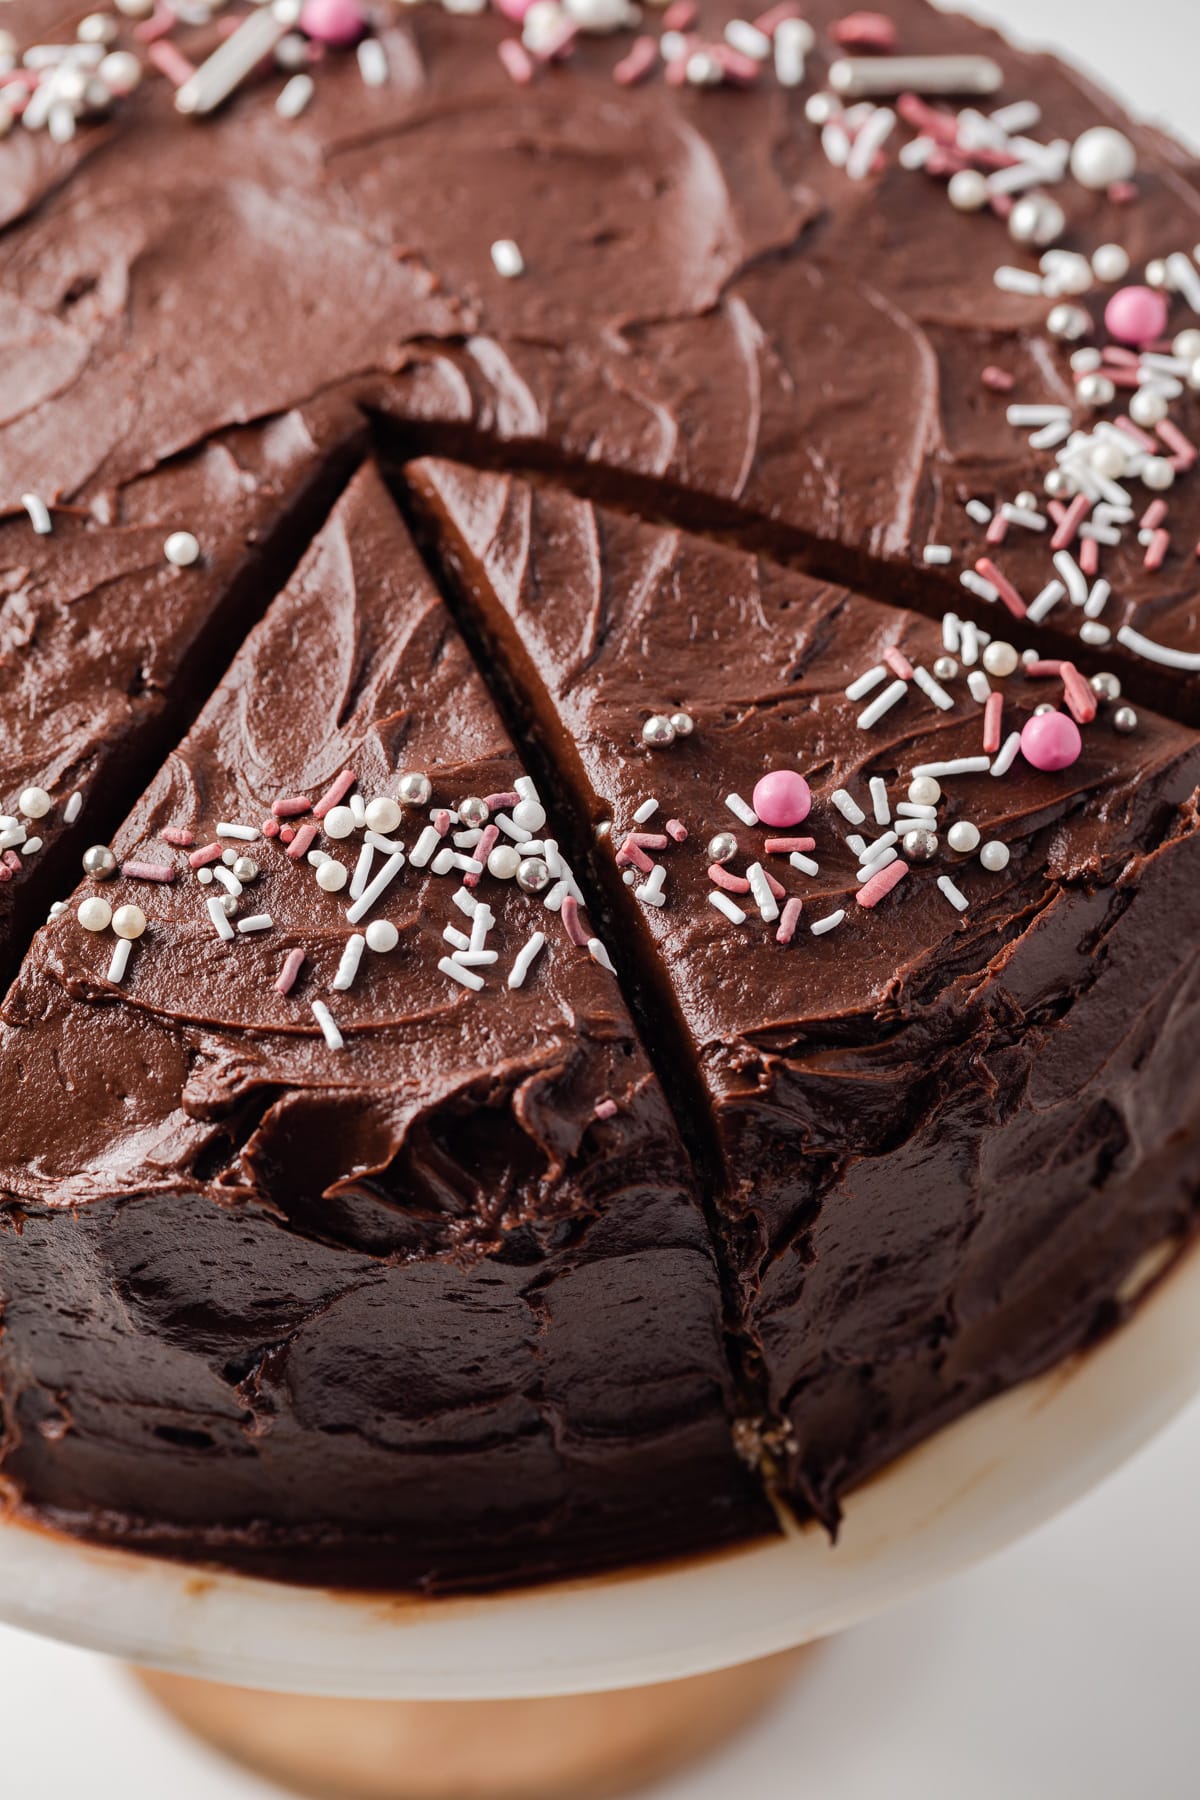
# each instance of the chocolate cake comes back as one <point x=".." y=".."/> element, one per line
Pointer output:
<point x="797" y="418"/>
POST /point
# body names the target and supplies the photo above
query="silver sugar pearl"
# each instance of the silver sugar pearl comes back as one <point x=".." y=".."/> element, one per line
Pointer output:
<point x="245" y="870"/>
<point x="473" y="811"/>
<point x="1028" y="499"/>
<point x="1095" y="390"/>
<point x="1068" y="322"/>
<point x="945" y="668"/>
<point x="1057" y="483"/>
<point x="1125" y="720"/>
<point x="658" y="731"/>
<point x="1106" y="686"/>
<point x="99" y="862"/>
<point x="414" y="789"/>
<point x="1045" y="707"/>
<point x="1030" y="656"/>
<point x="920" y="846"/>
<point x="684" y="724"/>
<point x="722" y="847"/>
<point x="532" y="874"/>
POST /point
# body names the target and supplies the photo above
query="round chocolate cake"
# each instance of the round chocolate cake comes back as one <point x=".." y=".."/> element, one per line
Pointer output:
<point x="599" y="651"/>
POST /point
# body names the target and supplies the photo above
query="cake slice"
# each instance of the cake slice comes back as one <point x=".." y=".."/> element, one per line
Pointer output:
<point x="346" y="1233"/>
<point x="115" y="623"/>
<point x="945" y="1110"/>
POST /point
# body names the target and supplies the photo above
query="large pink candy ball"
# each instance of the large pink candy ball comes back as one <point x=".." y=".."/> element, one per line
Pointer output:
<point x="513" y="9"/>
<point x="782" y="798"/>
<point x="1136" y="315"/>
<point x="1051" y="741"/>
<point x="339" y="23"/>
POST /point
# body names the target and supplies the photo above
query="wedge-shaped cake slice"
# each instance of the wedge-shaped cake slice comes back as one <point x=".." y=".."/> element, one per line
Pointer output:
<point x="346" y="1231"/>
<point x="116" y="619"/>
<point x="933" y="1017"/>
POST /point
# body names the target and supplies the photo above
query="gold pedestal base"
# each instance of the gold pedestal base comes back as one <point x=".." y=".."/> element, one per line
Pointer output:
<point x="581" y="1747"/>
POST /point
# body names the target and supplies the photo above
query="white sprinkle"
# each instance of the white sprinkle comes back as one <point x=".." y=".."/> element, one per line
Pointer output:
<point x="862" y="685"/>
<point x="1007" y="754"/>
<point x="1157" y="653"/>
<point x="465" y="977"/>
<point x="465" y="901"/>
<point x="1050" y="436"/>
<point x="979" y="685"/>
<point x="857" y="844"/>
<point x="12" y="837"/>
<point x="362" y="871"/>
<point x="979" y="585"/>
<point x="219" y="917"/>
<point x="1022" y="415"/>
<point x="829" y="923"/>
<point x="425" y="846"/>
<point x="1100" y="534"/>
<point x="916" y="153"/>
<point x="525" y="788"/>
<point x="748" y="39"/>
<point x="372" y="63"/>
<point x="246" y="834"/>
<point x="1024" y="515"/>
<point x="879" y="800"/>
<point x="525" y="958"/>
<point x="553" y="860"/>
<point x="1097" y="600"/>
<point x="347" y="969"/>
<point x="849" y="809"/>
<point x="760" y="887"/>
<point x="954" y="895"/>
<point x="442" y="863"/>
<point x="73" y="808"/>
<point x="651" y="889"/>
<point x="329" y="1030"/>
<point x="1072" y="575"/>
<point x="872" y="868"/>
<point x="959" y="765"/>
<point x="1017" y="281"/>
<point x="481" y="923"/>
<point x="1093" y="632"/>
<point x="1182" y="276"/>
<point x="1019" y="115"/>
<point x="883" y="703"/>
<point x="740" y="810"/>
<point x="557" y="894"/>
<point x="793" y="40"/>
<point x="1045" y="602"/>
<point x="835" y="142"/>
<point x="805" y="864"/>
<point x="476" y="959"/>
<point x="725" y="905"/>
<point x="968" y="647"/>
<point x="256" y="922"/>
<point x="883" y="842"/>
<point x="39" y="514"/>
<point x="913" y="809"/>
<point x="645" y="811"/>
<point x="600" y="955"/>
<point x="294" y="96"/>
<point x="458" y="938"/>
<point x="236" y="58"/>
<point x="855" y="76"/>
<point x="227" y="878"/>
<point x="358" y="810"/>
<point x="933" y="690"/>
<point x="979" y="511"/>
<point x="388" y="845"/>
<point x="870" y="140"/>
<point x="507" y="259"/>
<point x="120" y="961"/>
<point x="937" y="553"/>
<point x="31" y="846"/>
<point x="371" y="894"/>
<point x="950" y="633"/>
<point x="510" y="828"/>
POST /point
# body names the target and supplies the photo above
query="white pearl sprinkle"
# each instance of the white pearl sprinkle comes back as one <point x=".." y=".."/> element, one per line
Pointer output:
<point x="507" y="259"/>
<point x="332" y="876"/>
<point x="94" y="914"/>
<point x="34" y="802"/>
<point x="382" y="936"/>
<point x="182" y="549"/>
<point x="129" y="921"/>
<point x="994" y="856"/>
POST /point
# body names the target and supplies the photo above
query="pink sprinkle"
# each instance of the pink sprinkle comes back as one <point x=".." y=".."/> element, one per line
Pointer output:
<point x="1117" y="356"/>
<point x="777" y="846"/>
<point x="770" y="21"/>
<point x="161" y="20"/>
<point x="999" y="380"/>
<point x="872" y="892"/>
<point x="286" y="834"/>
<point x="733" y="884"/>
<point x="301" y="841"/>
<point x="270" y="828"/>
<point x="1089" y="556"/>
<point x="211" y="853"/>
<point x="572" y="923"/>
<point x="290" y="806"/>
<point x="898" y="663"/>
<point x="865" y="31"/>
<point x="6" y="873"/>
<point x="1057" y="511"/>
<point x="293" y="962"/>
<point x="1070" y="522"/>
<point x="497" y="802"/>
<point x="1081" y="702"/>
<point x="606" y="1109"/>
<point x="1121" y="193"/>
<point x="997" y="530"/>
<point x="788" y="920"/>
<point x="930" y="121"/>
<point x="1156" y="550"/>
<point x="1175" y="440"/>
<point x="175" y="834"/>
<point x="1008" y="593"/>
<point x="147" y="871"/>
<point x="13" y="862"/>
<point x="681" y="15"/>
<point x="677" y="830"/>
<point x="481" y="852"/>
<point x="1044" y="666"/>
<point x="648" y="840"/>
<point x="170" y="61"/>
<point x="629" y="853"/>
<point x="516" y="60"/>
<point x="341" y="787"/>
<point x="676" y="70"/>
<point x="736" y="65"/>
<point x="1140" y="437"/>
<point x="947" y="161"/>
<point x="1122" y="378"/>
<point x="637" y="62"/>
<point x="776" y="887"/>
<point x="441" y="821"/>
<point x="992" y="710"/>
<point x="1154" y="515"/>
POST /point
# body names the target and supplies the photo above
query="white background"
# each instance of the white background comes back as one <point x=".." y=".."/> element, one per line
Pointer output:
<point x="1065" y="1669"/>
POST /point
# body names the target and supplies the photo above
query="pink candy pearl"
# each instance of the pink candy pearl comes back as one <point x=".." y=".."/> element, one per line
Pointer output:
<point x="782" y="798"/>
<point x="1051" y="741"/>
<point x="336" y="22"/>
<point x="1136" y="315"/>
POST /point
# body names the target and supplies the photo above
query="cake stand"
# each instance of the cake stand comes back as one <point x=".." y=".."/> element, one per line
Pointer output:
<point x="580" y="1666"/>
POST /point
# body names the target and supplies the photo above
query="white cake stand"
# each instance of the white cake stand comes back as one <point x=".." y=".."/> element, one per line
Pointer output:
<point x="974" y="1488"/>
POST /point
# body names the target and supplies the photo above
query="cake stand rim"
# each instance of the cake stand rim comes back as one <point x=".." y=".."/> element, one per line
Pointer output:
<point x="972" y="1489"/>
